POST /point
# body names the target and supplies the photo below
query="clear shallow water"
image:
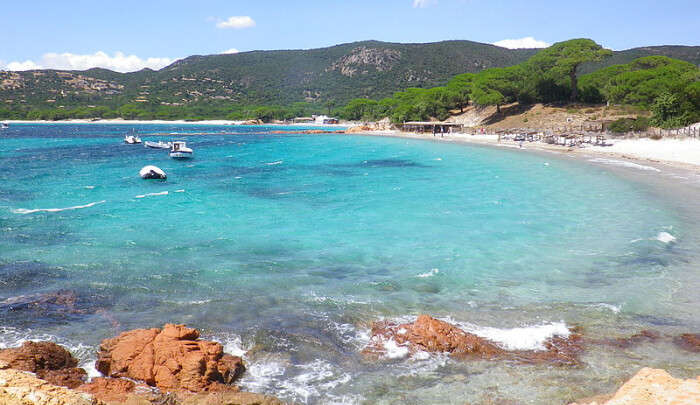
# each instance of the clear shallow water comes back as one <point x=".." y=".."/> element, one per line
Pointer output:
<point x="291" y="245"/>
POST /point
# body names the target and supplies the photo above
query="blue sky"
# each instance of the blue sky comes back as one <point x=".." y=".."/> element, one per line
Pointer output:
<point x="82" y="33"/>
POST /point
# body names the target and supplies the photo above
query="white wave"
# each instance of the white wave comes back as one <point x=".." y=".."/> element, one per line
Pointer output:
<point x="614" y="308"/>
<point x="431" y="273"/>
<point x="279" y="162"/>
<point x="89" y="187"/>
<point x="151" y="194"/>
<point x="525" y="338"/>
<point x="314" y="379"/>
<point x="665" y="237"/>
<point x="394" y="350"/>
<point x="622" y="163"/>
<point x="262" y="374"/>
<point x="234" y="345"/>
<point x="24" y="211"/>
<point x="330" y="399"/>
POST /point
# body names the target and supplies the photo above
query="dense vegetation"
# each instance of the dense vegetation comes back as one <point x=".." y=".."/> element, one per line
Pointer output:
<point x="385" y="80"/>
<point x="668" y="87"/>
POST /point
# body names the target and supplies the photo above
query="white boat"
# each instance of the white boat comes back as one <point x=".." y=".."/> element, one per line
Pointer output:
<point x="132" y="139"/>
<point x="4" y="125"/>
<point x="158" y="145"/>
<point x="179" y="150"/>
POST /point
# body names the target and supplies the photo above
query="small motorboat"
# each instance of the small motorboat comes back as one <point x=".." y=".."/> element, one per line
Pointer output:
<point x="132" y="139"/>
<point x="152" y="173"/>
<point x="158" y="145"/>
<point x="4" y="125"/>
<point x="179" y="150"/>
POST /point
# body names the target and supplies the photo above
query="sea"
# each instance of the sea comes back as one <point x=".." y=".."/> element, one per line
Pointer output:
<point x="285" y="247"/>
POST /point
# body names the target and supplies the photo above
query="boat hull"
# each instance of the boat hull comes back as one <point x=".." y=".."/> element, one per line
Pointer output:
<point x="181" y="155"/>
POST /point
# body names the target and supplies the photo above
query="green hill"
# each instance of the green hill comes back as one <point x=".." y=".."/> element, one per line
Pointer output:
<point x="332" y="75"/>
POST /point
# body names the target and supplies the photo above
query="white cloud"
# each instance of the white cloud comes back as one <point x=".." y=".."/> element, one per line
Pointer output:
<point x="527" y="42"/>
<point x="229" y="51"/>
<point x="423" y="3"/>
<point x="237" y="23"/>
<point x="70" y="61"/>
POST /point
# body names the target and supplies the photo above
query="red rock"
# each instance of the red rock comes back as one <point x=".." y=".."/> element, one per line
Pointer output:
<point x="432" y="335"/>
<point x="66" y="377"/>
<point x="171" y="359"/>
<point x="36" y="356"/>
<point x="48" y="360"/>
<point x="688" y="341"/>
<point x="109" y="389"/>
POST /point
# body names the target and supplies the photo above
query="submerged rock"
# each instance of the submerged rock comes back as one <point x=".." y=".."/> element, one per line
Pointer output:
<point x="152" y="173"/>
<point x="432" y="335"/>
<point x="171" y="359"/>
<point x="642" y="337"/>
<point x="688" y="341"/>
<point x="651" y="387"/>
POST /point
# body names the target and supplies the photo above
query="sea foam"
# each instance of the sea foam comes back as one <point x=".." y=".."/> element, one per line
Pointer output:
<point x="665" y="237"/>
<point x="622" y="163"/>
<point x="151" y="194"/>
<point x="431" y="273"/>
<point x="523" y="338"/>
<point x="24" y="211"/>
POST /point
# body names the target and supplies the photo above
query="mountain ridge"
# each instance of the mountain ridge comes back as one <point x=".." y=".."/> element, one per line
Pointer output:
<point x="329" y="75"/>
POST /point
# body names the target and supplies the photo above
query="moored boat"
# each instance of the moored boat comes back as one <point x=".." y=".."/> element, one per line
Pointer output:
<point x="158" y="145"/>
<point x="4" y="125"/>
<point x="132" y="139"/>
<point x="179" y="150"/>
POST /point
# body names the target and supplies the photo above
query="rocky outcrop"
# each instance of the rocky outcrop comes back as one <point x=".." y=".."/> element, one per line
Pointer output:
<point x="432" y="335"/>
<point x="363" y="57"/>
<point x="48" y="360"/>
<point x="171" y="359"/>
<point x="688" y="341"/>
<point x="22" y="388"/>
<point x="653" y="387"/>
<point x="382" y="125"/>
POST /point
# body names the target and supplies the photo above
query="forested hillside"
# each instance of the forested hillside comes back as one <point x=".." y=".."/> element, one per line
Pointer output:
<point x="266" y="84"/>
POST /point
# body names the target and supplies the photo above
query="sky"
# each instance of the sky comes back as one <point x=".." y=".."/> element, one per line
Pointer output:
<point x="128" y="35"/>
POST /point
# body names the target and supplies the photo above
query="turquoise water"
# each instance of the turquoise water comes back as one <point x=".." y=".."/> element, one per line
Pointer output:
<point x="292" y="244"/>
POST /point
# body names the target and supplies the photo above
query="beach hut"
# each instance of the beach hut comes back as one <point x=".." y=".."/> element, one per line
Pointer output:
<point x="433" y="127"/>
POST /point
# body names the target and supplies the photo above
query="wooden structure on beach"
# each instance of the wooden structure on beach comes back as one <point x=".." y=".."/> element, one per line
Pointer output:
<point x="432" y="127"/>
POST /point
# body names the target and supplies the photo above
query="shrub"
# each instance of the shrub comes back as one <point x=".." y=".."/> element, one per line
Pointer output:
<point x="624" y="125"/>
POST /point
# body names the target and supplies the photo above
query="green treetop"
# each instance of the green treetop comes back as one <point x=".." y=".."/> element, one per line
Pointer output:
<point x="563" y="59"/>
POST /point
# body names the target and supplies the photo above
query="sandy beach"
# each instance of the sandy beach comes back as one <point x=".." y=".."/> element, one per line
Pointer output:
<point x="679" y="153"/>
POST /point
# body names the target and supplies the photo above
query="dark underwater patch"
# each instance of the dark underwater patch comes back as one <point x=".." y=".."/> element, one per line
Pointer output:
<point x="29" y="275"/>
<point x="384" y="163"/>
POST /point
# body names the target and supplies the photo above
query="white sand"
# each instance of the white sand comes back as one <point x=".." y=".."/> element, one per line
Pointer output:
<point x="683" y="153"/>
<point x="666" y="150"/>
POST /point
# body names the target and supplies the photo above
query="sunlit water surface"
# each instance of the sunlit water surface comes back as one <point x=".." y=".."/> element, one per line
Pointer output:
<point x="293" y="244"/>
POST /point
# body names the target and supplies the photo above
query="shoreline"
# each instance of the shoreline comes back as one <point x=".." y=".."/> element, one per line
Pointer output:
<point x="167" y="122"/>
<point x="677" y="154"/>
